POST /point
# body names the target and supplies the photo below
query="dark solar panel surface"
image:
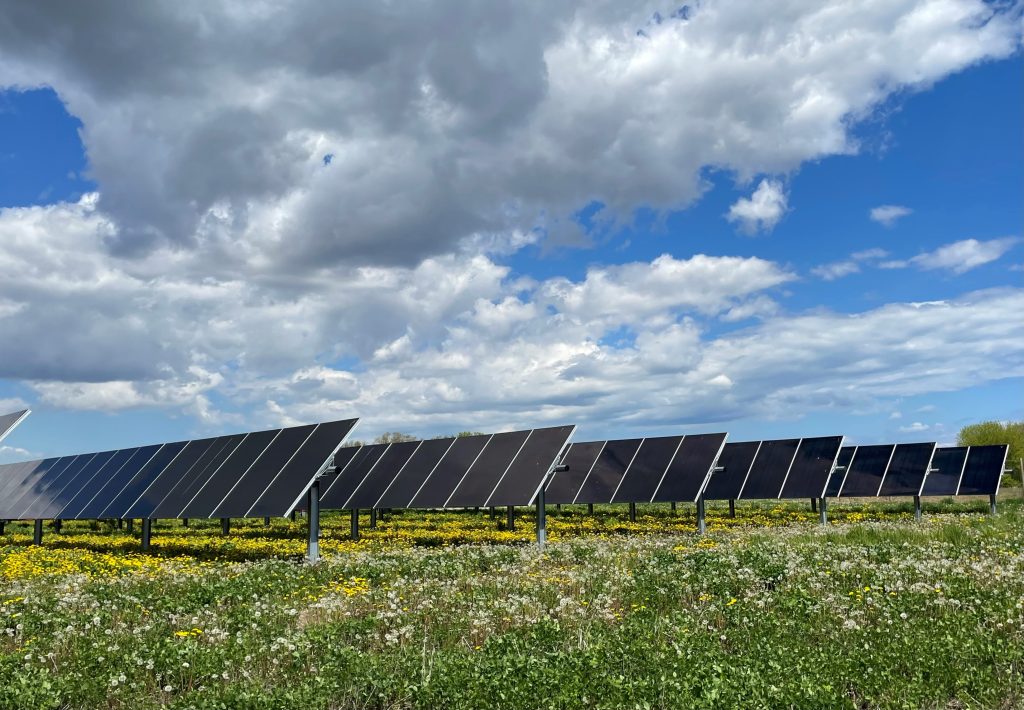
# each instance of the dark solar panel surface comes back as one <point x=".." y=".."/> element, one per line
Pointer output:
<point x="644" y="474"/>
<point x="416" y="470"/>
<point x="86" y="489"/>
<point x="811" y="468"/>
<point x="566" y="484"/>
<point x="438" y="487"/>
<point x="482" y="478"/>
<point x="907" y="469"/>
<point x="734" y="463"/>
<point x="342" y="459"/>
<point x="262" y="473"/>
<point x="835" y="483"/>
<point x="866" y="471"/>
<point x="525" y="476"/>
<point x="119" y="504"/>
<point x="383" y="474"/>
<point x="116" y="483"/>
<point x="50" y="505"/>
<point x="770" y="469"/>
<point x="345" y="484"/>
<point x="49" y="483"/>
<point x="209" y="496"/>
<point x="983" y="470"/>
<point x="20" y="479"/>
<point x="688" y="473"/>
<point x="947" y="467"/>
<point x="607" y="471"/>
<point x="166" y="479"/>
<point x="197" y="476"/>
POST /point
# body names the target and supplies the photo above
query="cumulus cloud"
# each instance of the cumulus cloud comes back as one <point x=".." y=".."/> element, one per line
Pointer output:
<point x="887" y="215"/>
<point x="839" y="269"/>
<point x="215" y="118"/>
<point x="958" y="257"/>
<point x="762" y="210"/>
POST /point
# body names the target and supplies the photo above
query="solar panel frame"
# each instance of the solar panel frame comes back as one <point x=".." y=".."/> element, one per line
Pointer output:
<point x="594" y="496"/>
<point x="998" y="477"/>
<point x="827" y="441"/>
<point x="841" y="463"/>
<point x="938" y="477"/>
<point x="661" y="495"/>
<point x="768" y="448"/>
<point x="528" y="466"/>
<point x="741" y="448"/>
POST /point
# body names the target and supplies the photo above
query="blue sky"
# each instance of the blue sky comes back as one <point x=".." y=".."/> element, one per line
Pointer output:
<point x="181" y="261"/>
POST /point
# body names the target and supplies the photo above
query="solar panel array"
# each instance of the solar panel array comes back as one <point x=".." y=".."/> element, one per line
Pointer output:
<point x="257" y="474"/>
<point x="9" y="421"/>
<point x="656" y="469"/>
<point x="480" y="470"/>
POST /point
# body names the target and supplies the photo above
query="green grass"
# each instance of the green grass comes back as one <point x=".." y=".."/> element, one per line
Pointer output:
<point x="881" y="613"/>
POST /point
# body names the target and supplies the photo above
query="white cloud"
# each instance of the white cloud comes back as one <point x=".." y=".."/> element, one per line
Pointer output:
<point x="839" y="269"/>
<point x="213" y="119"/>
<point x="958" y="257"/>
<point x="887" y="215"/>
<point x="915" y="427"/>
<point x="762" y="210"/>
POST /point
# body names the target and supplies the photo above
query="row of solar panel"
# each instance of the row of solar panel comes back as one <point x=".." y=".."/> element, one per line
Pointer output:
<point x="257" y="474"/>
<point x="469" y="471"/>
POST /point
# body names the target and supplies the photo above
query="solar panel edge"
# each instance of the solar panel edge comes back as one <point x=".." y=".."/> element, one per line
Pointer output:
<point x="711" y="468"/>
<point x="590" y="470"/>
<point x="468" y="469"/>
<point x="241" y="477"/>
<point x="927" y="470"/>
<point x="1002" y="467"/>
<point x="846" y="473"/>
<point x="739" y="493"/>
<point x="398" y="473"/>
<point x="664" y="473"/>
<point x="628" y="467"/>
<point x="881" y="482"/>
<point x="832" y="469"/>
<point x="509" y="467"/>
<point x="342" y="469"/>
<point x="789" y="469"/>
<point x="323" y="467"/>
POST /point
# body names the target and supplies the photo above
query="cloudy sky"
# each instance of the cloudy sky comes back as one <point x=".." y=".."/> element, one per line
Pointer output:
<point x="800" y="217"/>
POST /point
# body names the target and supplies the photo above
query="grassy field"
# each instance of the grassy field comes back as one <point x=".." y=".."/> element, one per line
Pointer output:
<point x="450" y="610"/>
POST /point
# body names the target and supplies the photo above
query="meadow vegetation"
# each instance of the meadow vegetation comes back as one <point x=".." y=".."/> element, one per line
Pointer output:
<point x="451" y="610"/>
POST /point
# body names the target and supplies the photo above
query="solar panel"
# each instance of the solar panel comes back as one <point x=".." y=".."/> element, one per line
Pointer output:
<point x="866" y="471"/>
<point x="45" y="481"/>
<point x="416" y="470"/>
<point x="117" y="483"/>
<point x="983" y="470"/>
<point x="9" y="421"/>
<point x="209" y="496"/>
<point x="341" y="459"/>
<point x="185" y="488"/>
<point x="19" y="479"/>
<point x="733" y="466"/>
<point x="166" y="479"/>
<point x="770" y="469"/>
<point x="835" y="482"/>
<point x="450" y="470"/>
<point x="118" y="505"/>
<point x="372" y="487"/>
<point x="947" y="468"/>
<point x="578" y="460"/>
<point x="482" y="477"/>
<point x="812" y="466"/>
<point x="688" y="474"/>
<point x="525" y="476"/>
<point x="607" y="471"/>
<point x="907" y="470"/>
<point x="646" y="470"/>
<point x="50" y="505"/>
<point x="345" y="484"/>
<point x="86" y="489"/>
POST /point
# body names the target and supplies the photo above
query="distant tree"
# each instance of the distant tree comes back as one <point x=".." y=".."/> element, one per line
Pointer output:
<point x="992" y="432"/>
<point x="468" y="433"/>
<point x="393" y="437"/>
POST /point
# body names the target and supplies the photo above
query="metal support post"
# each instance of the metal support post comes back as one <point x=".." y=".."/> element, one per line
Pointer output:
<point x="542" y="523"/>
<point x="57" y="525"/>
<point x="120" y="523"/>
<point x="632" y="512"/>
<point x="3" y="526"/>
<point x="992" y="504"/>
<point x="732" y="508"/>
<point x="266" y="520"/>
<point x="510" y="517"/>
<point x="590" y="508"/>
<point x="917" y="508"/>
<point x="293" y="516"/>
<point x="313" y="542"/>
<point x="672" y="506"/>
<point x="701" y="524"/>
<point x="373" y="518"/>
<point x="129" y="525"/>
<point x="558" y="507"/>
<point x="225" y="526"/>
<point x="823" y="511"/>
<point x="37" y="536"/>
<point x="147" y="532"/>
<point x="355" y="524"/>
<point x="814" y="505"/>
<point x="184" y="522"/>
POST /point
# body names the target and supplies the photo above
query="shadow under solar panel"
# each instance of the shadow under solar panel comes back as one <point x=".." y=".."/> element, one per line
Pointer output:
<point x="579" y="459"/>
<point x="608" y="470"/>
<point x="734" y="464"/>
<point x="947" y="468"/>
<point x="983" y="470"/>
<point x="812" y="467"/>
<point x="688" y="474"/>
